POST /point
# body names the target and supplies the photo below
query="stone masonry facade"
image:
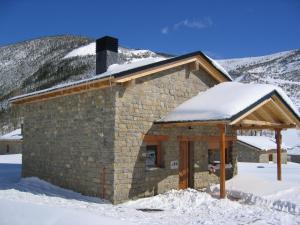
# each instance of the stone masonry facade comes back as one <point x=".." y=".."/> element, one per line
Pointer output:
<point x="92" y="142"/>
<point x="247" y="153"/>
<point x="137" y="107"/>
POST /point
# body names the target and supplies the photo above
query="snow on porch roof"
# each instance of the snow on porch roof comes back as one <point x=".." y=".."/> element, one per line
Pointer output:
<point x="261" y="142"/>
<point x="224" y="101"/>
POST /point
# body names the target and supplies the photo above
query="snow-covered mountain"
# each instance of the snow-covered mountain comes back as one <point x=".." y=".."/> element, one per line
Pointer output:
<point x="46" y="62"/>
<point x="281" y="69"/>
<point x="49" y="61"/>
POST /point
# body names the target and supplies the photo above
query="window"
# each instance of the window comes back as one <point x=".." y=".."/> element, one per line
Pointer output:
<point x="153" y="154"/>
<point x="214" y="156"/>
<point x="7" y="148"/>
<point x="270" y="157"/>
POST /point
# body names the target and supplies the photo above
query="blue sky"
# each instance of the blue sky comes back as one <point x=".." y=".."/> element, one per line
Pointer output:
<point x="223" y="29"/>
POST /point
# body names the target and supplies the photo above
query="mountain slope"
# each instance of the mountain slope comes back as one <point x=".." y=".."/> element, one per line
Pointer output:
<point x="42" y="63"/>
<point x="281" y="69"/>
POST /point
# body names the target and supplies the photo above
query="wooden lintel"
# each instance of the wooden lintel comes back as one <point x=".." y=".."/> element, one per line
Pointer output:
<point x="258" y="122"/>
<point x="263" y="127"/>
<point x="205" y="138"/>
<point x="191" y="124"/>
<point x="154" y="138"/>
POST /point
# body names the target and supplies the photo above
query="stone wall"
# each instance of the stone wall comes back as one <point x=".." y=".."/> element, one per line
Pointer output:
<point x="137" y="107"/>
<point x="294" y="158"/>
<point x="247" y="153"/>
<point x="10" y="147"/>
<point x="69" y="140"/>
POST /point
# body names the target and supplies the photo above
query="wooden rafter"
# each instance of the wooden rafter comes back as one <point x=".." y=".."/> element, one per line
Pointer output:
<point x="250" y="111"/>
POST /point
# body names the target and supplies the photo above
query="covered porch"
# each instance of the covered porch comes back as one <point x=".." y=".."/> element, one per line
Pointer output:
<point x="232" y="106"/>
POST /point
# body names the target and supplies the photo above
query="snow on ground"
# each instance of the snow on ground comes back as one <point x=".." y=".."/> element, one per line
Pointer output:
<point x="36" y="202"/>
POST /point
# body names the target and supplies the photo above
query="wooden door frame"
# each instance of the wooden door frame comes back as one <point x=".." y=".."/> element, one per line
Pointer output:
<point x="185" y="176"/>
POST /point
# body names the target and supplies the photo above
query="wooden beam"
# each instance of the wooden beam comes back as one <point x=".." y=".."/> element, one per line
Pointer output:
<point x="258" y="122"/>
<point x="263" y="127"/>
<point x="64" y="91"/>
<point x="211" y="70"/>
<point x="278" y="143"/>
<point x="249" y="112"/>
<point x="204" y="138"/>
<point x="191" y="124"/>
<point x="222" y="165"/>
<point x="154" y="70"/>
<point x="154" y="138"/>
<point x="287" y="111"/>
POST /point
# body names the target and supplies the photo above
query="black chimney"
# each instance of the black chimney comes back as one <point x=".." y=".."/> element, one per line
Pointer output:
<point x="106" y="53"/>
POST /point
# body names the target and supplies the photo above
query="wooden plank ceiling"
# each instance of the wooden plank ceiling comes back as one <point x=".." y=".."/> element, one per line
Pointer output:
<point x="272" y="113"/>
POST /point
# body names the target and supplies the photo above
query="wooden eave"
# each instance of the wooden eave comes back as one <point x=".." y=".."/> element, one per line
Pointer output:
<point x="78" y="88"/>
<point x="194" y="60"/>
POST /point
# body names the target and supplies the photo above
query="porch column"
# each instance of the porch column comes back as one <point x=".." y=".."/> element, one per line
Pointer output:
<point x="222" y="159"/>
<point x="278" y="138"/>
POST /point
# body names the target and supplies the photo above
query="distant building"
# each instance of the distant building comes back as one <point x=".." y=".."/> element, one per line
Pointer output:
<point x="260" y="149"/>
<point x="294" y="154"/>
<point x="11" y="143"/>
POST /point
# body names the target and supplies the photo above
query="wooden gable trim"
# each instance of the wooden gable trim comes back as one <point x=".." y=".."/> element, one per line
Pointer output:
<point x="282" y="107"/>
<point x="197" y="62"/>
<point x="153" y="70"/>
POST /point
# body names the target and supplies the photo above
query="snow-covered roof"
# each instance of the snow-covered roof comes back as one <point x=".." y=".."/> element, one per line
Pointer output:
<point x="118" y="70"/>
<point x="223" y="102"/>
<point x="14" y="135"/>
<point x="261" y="142"/>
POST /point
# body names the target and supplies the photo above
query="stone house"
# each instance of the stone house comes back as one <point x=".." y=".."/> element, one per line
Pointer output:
<point x="260" y="149"/>
<point x="107" y="137"/>
<point x="11" y="143"/>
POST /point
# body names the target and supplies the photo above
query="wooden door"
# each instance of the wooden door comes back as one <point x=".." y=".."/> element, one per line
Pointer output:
<point x="184" y="165"/>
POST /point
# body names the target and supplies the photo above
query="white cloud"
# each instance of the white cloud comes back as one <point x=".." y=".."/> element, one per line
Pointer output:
<point x="165" y="30"/>
<point x="191" y="24"/>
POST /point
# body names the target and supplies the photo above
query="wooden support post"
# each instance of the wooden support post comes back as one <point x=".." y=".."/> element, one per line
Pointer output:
<point x="222" y="164"/>
<point x="278" y="142"/>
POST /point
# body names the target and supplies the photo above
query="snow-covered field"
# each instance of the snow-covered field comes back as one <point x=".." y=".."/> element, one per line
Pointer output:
<point x="255" y="197"/>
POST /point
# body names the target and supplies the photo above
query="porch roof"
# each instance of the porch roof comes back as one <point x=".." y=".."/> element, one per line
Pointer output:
<point x="237" y="104"/>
